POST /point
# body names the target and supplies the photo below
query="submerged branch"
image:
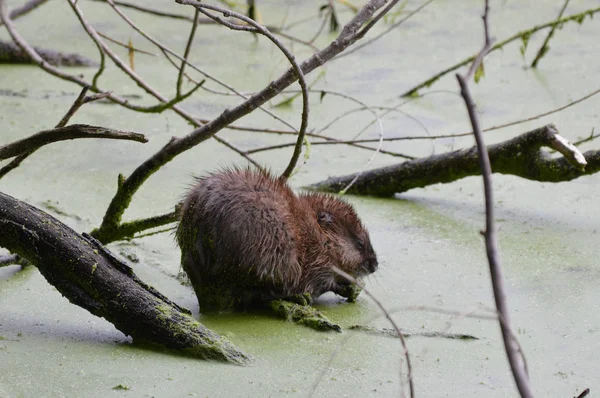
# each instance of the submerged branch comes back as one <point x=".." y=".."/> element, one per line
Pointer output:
<point x="10" y="53"/>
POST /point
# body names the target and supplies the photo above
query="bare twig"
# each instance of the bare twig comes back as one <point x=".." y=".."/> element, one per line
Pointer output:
<point x="81" y="100"/>
<point x="519" y="35"/>
<point x="165" y="104"/>
<point x="544" y="48"/>
<point x="151" y="11"/>
<point x="32" y="53"/>
<point x="166" y="51"/>
<point x="24" y="154"/>
<point x="584" y="393"/>
<point x="388" y="316"/>
<point x="127" y="46"/>
<point x="392" y="27"/>
<point x="515" y="356"/>
<point x="25" y="9"/>
<point x="186" y="53"/>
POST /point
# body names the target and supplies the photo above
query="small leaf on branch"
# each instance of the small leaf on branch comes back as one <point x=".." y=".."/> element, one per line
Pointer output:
<point x="333" y="22"/>
<point x="131" y="54"/>
<point x="479" y="73"/>
<point x="525" y="40"/>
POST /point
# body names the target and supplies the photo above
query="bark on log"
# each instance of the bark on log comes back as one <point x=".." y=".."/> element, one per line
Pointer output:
<point x="89" y="276"/>
<point x="521" y="156"/>
<point x="10" y="53"/>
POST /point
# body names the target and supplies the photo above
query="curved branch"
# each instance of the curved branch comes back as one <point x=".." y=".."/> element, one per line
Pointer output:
<point x="71" y="132"/>
<point x="290" y="57"/>
<point x="93" y="278"/>
<point x="521" y="156"/>
<point x="128" y="187"/>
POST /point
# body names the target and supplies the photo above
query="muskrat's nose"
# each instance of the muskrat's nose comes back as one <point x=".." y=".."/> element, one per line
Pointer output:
<point x="372" y="264"/>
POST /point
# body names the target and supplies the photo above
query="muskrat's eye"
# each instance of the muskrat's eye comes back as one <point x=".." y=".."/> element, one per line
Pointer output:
<point x="324" y="218"/>
<point x="360" y="244"/>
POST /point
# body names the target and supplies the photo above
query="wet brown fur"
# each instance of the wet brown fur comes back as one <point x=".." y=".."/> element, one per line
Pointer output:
<point x="245" y="235"/>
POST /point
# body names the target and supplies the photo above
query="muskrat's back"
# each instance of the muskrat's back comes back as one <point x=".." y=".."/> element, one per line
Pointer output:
<point x="246" y="237"/>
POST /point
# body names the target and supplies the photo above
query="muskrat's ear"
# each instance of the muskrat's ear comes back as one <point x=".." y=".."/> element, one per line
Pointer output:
<point x="324" y="218"/>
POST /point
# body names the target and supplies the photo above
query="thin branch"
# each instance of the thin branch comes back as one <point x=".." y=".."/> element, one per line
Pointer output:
<point x="186" y="53"/>
<point x="544" y="48"/>
<point x="81" y="99"/>
<point x="388" y="316"/>
<point x="165" y="104"/>
<point x="155" y="12"/>
<point x="79" y="102"/>
<point x="392" y="27"/>
<point x="584" y="393"/>
<point x="24" y="9"/>
<point x="32" y="53"/>
<point x="519" y="35"/>
<point x="127" y="46"/>
<point x="515" y="356"/>
<point x="165" y="50"/>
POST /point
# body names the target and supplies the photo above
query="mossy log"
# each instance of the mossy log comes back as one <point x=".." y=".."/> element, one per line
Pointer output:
<point x="89" y="276"/>
<point x="10" y="53"/>
<point x="521" y="156"/>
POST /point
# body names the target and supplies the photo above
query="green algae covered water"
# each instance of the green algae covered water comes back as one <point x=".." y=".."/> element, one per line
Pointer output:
<point x="430" y="250"/>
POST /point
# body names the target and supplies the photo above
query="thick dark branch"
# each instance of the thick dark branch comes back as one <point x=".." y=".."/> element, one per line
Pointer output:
<point x="91" y="277"/>
<point x="65" y="133"/>
<point x="522" y="156"/>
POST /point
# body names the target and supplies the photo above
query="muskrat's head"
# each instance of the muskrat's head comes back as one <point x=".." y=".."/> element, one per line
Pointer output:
<point x="348" y="244"/>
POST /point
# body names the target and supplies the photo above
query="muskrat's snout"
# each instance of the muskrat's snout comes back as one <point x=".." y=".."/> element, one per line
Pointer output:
<point x="370" y="265"/>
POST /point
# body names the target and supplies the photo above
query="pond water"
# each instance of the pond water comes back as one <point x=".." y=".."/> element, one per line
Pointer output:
<point x="428" y="242"/>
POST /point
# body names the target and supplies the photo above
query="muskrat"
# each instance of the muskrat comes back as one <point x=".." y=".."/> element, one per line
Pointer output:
<point x="245" y="238"/>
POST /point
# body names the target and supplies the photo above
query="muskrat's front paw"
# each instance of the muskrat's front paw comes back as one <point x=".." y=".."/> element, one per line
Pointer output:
<point x="301" y="299"/>
<point x="351" y="291"/>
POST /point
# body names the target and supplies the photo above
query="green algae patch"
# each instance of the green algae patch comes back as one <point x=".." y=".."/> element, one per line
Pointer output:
<point x="304" y="315"/>
<point x="351" y="292"/>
